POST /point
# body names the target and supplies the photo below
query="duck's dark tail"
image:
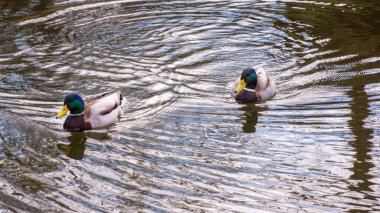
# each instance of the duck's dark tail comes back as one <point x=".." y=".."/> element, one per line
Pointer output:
<point x="121" y="99"/>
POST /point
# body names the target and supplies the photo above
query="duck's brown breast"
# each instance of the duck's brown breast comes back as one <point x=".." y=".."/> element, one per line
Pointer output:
<point x="76" y="124"/>
<point x="246" y="97"/>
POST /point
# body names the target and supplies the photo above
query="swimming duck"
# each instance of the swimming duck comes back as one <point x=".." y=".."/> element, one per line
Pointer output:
<point x="253" y="85"/>
<point x="90" y="112"/>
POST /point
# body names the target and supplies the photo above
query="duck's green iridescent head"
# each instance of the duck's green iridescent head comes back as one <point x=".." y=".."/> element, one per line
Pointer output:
<point x="248" y="79"/>
<point x="73" y="103"/>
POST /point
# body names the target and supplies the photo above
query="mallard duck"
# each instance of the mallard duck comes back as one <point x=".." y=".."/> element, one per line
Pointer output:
<point x="91" y="112"/>
<point x="253" y="85"/>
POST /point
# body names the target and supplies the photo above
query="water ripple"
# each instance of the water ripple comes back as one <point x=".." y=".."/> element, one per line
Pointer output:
<point x="182" y="142"/>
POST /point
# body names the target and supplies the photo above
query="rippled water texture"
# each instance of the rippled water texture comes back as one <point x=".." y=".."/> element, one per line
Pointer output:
<point x="182" y="143"/>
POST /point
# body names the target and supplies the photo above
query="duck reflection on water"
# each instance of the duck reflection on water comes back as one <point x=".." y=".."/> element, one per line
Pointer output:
<point x="75" y="149"/>
<point x="77" y="146"/>
<point x="251" y="117"/>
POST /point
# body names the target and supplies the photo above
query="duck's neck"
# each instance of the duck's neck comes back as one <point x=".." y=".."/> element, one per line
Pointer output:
<point x="76" y="114"/>
<point x="251" y="86"/>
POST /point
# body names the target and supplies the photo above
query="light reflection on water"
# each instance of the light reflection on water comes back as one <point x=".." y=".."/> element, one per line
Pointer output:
<point x="182" y="143"/>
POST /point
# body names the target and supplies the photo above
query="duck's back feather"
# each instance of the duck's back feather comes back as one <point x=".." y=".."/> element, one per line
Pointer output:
<point x="92" y="98"/>
<point x="103" y="109"/>
<point x="266" y="87"/>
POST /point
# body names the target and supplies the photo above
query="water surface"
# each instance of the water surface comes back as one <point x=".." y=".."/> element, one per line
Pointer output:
<point x="182" y="143"/>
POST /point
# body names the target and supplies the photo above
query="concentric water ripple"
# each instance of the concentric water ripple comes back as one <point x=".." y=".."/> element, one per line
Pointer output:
<point x="182" y="143"/>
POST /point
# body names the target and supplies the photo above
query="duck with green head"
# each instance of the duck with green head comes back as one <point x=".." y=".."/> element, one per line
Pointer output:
<point x="253" y="85"/>
<point x="91" y="112"/>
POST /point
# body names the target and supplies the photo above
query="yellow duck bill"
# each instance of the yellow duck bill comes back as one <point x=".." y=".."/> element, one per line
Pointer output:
<point x="241" y="86"/>
<point x="63" y="112"/>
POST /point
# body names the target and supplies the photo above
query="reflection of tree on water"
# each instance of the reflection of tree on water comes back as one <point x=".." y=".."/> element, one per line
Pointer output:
<point x="251" y="118"/>
<point x="361" y="143"/>
<point x="10" y="11"/>
<point x="20" y="5"/>
<point x="352" y="32"/>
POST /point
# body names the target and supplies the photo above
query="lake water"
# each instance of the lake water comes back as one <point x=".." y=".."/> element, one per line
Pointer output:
<point x="182" y="143"/>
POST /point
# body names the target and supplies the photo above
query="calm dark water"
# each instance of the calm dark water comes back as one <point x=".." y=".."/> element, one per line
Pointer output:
<point x="182" y="143"/>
